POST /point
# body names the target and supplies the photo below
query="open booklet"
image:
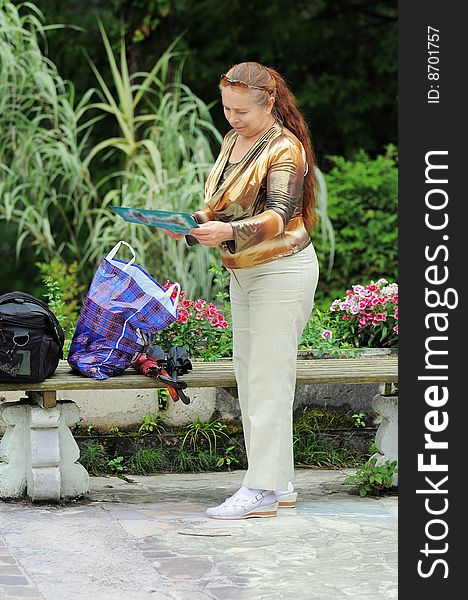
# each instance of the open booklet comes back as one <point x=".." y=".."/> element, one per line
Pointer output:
<point x="173" y="221"/>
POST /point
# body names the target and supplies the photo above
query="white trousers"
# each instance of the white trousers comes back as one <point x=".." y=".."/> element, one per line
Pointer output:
<point x="271" y="304"/>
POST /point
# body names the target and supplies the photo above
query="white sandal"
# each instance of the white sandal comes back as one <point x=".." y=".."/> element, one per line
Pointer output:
<point x="242" y="506"/>
<point x="286" y="498"/>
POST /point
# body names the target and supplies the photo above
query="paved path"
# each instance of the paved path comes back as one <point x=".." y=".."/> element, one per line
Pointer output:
<point x="148" y="538"/>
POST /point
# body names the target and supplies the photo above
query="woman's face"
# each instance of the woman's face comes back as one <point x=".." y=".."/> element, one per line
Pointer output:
<point x="246" y="116"/>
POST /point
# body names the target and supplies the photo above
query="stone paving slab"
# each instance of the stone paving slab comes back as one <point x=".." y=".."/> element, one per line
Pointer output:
<point x="14" y="582"/>
<point x="149" y="538"/>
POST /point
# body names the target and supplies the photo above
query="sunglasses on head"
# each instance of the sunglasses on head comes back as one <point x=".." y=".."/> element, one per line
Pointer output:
<point x="225" y="81"/>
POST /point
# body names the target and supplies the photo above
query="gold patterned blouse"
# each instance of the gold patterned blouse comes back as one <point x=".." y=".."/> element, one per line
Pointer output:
<point x="261" y="196"/>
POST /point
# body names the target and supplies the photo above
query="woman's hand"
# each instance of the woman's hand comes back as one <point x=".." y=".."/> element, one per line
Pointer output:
<point x="212" y="233"/>
<point x="173" y="234"/>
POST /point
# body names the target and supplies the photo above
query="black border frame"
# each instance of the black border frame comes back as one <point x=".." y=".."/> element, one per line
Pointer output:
<point x="431" y="127"/>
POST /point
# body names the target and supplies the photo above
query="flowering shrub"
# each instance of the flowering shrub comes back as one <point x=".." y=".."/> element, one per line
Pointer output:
<point x="318" y="335"/>
<point x="367" y="316"/>
<point x="200" y="327"/>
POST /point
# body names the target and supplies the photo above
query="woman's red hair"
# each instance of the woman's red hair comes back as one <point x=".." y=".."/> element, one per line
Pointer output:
<point x="287" y="113"/>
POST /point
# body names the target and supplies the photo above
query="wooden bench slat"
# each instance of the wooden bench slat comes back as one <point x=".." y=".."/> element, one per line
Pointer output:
<point x="221" y="374"/>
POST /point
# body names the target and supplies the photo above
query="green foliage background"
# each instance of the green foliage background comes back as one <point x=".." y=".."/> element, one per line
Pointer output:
<point x="340" y="59"/>
<point x="363" y="207"/>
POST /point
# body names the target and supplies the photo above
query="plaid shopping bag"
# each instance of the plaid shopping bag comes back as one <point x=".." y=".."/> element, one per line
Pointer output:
<point x="123" y="308"/>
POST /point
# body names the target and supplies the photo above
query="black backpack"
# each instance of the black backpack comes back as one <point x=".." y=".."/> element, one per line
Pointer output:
<point x="31" y="339"/>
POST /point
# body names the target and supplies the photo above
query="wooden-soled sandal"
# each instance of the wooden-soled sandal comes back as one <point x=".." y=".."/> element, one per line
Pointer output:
<point x="287" y="500"/>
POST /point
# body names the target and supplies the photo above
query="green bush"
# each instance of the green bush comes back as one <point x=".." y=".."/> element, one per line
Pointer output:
<point x="147" y="461"/>
<point x="185" y="461"/>
<point x="200" y="434"/>
<point x="94" y="459"/>
<point x="362" y="207"/>
<point x="374" y="479"/>
<point x="312" y="446"/>
<point x="63" y="293"/>
<point x="317" y="335"/>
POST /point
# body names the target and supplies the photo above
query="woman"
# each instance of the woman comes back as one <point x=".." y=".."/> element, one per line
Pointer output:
<point x="259" y="208"/>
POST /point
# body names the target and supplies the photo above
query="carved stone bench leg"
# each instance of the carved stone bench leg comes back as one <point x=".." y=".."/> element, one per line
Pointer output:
<point x="14" y="449"/>
<point x="38" y="453"/>
<point x="74" y="477"/>
<point x="386" y="438"/>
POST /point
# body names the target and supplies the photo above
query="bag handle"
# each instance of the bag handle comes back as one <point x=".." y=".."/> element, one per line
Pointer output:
<point x="115" y="249"/>
<point x="170" y="290"/>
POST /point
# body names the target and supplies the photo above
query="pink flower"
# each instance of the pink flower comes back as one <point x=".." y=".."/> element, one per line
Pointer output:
<point x="183" y="316"/>
<point x="327" y="334"/>
<point x="379" y="317"/>
<point x="199" y="304"/>
<point x="367" y="307"/>
<point x="395" y="329"/>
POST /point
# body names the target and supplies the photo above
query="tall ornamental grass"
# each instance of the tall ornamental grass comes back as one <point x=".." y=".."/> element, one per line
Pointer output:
<point x="48" y="158"/>
<point x="45" y="190"/>
<point x="161" y="142"/>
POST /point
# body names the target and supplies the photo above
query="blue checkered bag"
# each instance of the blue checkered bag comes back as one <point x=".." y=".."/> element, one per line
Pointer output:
<point x="123" y="309"/>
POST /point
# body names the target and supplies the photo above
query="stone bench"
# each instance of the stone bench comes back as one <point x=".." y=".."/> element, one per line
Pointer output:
<point x="38" y="454"/>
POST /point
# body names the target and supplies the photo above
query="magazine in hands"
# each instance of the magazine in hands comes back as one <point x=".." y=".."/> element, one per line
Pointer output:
<point x="173" y="221"/>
